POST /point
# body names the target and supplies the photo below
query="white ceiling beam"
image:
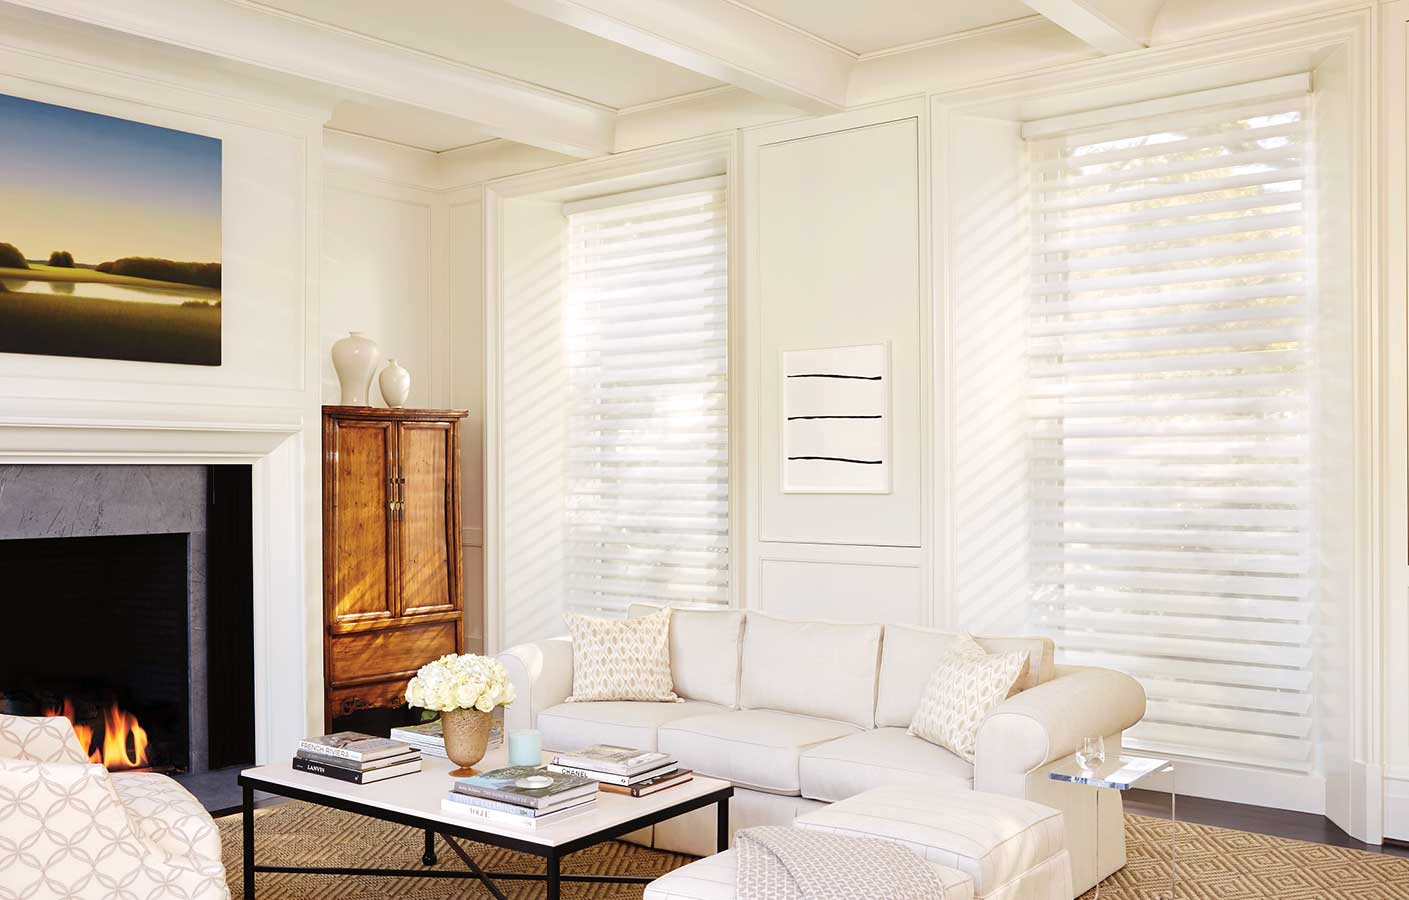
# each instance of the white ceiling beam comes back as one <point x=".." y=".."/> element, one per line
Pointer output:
<point x="1111" y="26"/>
<point x="255" y="35"/>
<point x="720" y="39"/>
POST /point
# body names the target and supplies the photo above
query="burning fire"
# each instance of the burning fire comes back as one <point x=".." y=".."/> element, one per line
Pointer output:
<point x="118" y="725"/>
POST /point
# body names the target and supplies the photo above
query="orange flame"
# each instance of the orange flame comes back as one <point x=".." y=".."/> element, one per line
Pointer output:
<point x="118" y="725"/>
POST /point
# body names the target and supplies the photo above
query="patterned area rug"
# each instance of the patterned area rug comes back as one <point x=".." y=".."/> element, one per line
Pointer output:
<point x="1214" y="863"/>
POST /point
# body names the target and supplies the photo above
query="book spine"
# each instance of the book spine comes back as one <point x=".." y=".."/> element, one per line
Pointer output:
<point x="325" y="750"/>
<point x="502" y="796"/>
<point x="317" y="768"/>
<point x="604" y="777"/>
<point x="508" y="809"/>
<point x="487" y="815"/>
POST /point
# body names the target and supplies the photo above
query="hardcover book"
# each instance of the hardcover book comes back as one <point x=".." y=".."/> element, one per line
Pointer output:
<point x="353" y="776"/>
<point x="354" y="766"/>
<point x="455" y="804"/>
<point x="609" y="778"/>
<point x="353" y="745"/>
<point x="502" y="784"/>
<point x="651" y="785"/>
<point x="614" y="760"/>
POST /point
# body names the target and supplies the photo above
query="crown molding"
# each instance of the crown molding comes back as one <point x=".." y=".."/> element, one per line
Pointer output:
<point x="254" y="35"/>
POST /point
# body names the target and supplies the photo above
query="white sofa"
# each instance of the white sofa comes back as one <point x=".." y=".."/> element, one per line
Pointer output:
<point x="801" y="714"/>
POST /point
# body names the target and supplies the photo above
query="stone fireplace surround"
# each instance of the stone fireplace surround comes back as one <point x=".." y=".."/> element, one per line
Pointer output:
<point x="286" y="570"/>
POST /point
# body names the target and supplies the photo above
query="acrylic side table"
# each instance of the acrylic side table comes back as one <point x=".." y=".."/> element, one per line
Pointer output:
<point x="1121" y="773"/>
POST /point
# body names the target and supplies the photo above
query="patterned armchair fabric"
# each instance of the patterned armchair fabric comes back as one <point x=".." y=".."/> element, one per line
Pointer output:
<point x="70" y="830"/>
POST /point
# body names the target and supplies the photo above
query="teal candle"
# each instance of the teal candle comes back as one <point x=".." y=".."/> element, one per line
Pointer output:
<point x="525" y="747"/>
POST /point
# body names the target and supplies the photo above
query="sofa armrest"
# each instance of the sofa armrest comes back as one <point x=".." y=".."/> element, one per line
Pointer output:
<point x="1046" y="723"/>
<point x="541" y="673"/>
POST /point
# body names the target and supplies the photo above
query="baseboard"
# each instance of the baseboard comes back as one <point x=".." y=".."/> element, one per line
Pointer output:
<point x="1396" y="809"/>
<point x="1241" y="784"/>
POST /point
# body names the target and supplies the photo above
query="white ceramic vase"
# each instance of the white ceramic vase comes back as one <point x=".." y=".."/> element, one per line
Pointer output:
<point x="395" y="382"/>
<point x="355" y="359"/>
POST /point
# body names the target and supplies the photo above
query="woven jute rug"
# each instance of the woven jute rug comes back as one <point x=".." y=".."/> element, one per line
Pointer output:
<point x="1214" y="863"/>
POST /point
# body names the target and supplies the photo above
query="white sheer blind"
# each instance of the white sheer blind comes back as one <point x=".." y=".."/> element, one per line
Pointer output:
<point x="648" y="463"/>
<point x="1171" y="400"/>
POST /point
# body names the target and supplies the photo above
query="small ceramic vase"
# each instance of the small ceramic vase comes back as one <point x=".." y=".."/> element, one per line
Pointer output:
<point x="355" y="359"/>
<point x="395" y="382"/>
<point x="466" y="737"/>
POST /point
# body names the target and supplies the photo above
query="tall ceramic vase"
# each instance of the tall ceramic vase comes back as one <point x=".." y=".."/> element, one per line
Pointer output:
<point x="396" y="384"/>
<point x="355" y="359"/>
<point x="466" y="737"/>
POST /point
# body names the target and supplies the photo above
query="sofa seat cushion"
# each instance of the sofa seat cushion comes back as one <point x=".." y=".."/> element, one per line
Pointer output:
<point x="994" y="839"/>
<point x="847" y="766"/>
<point x="626" y="723"/>
<point x="713" y="878"/>
<point x="167" y="816"/>
<point x="753" y="748"/>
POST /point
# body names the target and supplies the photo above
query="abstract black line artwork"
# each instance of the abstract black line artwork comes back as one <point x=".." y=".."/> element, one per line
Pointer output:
<point x="836" y="432"/>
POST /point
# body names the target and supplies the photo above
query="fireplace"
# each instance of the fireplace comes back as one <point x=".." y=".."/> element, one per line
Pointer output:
<point x="130" y="612"/>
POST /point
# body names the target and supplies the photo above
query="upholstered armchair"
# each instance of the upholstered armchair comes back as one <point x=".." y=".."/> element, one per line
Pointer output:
<point x="70" y="829"/>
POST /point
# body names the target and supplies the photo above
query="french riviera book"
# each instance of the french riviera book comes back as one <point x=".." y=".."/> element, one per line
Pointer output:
<point x="499" y="784"/>
<point x="353" y="745"/>
<point x="454" y="804"/>
<point x="353" y="776"/>
<point x="350" y="765"/>
<point x="651" y="785"/>
<point x="609" y="778"/>
<point x="614" y="760"/>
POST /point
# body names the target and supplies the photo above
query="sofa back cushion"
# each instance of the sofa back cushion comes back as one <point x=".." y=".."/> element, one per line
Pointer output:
<point x="704" y="651"/>
<point x="811" y="668"/>
<point x="910" y="655"/>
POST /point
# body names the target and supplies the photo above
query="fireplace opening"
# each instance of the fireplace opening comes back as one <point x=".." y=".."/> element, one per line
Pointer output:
<point x="144" y="640"/>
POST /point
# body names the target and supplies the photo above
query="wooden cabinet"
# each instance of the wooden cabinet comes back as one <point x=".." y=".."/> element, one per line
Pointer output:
<point x="392" y="570"/>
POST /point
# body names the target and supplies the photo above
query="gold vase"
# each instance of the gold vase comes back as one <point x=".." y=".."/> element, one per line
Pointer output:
<point x="466" y="736"/>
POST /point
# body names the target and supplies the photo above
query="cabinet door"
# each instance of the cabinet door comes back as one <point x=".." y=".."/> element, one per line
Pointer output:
<point x="359" y="564"/>
<point x="427" y="521"/>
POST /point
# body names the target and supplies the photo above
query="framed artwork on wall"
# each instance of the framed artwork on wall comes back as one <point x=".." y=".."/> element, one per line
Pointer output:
<point x="836" y="420"/>
<point x="110" y="241"/>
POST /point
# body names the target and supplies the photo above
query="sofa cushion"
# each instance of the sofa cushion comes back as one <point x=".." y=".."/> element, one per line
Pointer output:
<point x="847" y="766"/>
<point x="713" y="878"/>
<point x="626" y="723"/>
<point x="811" y="668"/>
<point x="704" y="651"/>
<point x="994" y="839"/>
<point x="909" y="655"/>
<point x="621" y="659"/>
<point x="753" y="748"/>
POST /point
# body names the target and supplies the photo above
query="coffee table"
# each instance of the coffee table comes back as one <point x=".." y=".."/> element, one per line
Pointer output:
<point x="415" y="800"/>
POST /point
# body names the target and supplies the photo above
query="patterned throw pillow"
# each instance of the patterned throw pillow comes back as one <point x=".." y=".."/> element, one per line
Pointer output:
<point x="963" y="689"/>
<point x="621" y="659"/>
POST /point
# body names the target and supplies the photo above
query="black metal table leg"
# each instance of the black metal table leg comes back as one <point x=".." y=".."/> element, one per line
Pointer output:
<point x="248" y="813"/>
<point x="722" y="838"/>
<point x="429" y="856"/>
<point x="554" y="888"/>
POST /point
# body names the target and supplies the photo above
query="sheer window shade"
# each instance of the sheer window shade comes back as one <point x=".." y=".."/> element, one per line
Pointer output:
<point x="1171" y="406"/>
<point x="648" y="463"/>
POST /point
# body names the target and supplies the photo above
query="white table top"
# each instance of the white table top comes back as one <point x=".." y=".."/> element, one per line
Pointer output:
<point x="1119" y="772"/>
<point x="420" y="794"/>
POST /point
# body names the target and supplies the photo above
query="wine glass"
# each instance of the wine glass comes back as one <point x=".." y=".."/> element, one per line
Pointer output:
<point x="1091" y="753"/>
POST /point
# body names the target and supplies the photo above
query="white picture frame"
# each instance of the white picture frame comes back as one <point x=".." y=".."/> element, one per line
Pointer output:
<point x="836" y="420"/>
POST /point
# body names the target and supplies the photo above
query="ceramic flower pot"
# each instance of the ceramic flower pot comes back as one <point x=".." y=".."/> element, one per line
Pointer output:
<point x="466" y="737"/>
<point x="355" y="360"/>
<point x="395" y="382"/>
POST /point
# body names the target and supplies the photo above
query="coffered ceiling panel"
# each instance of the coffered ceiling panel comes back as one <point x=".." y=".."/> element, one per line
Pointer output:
<point x="493" y="35"/>
<point x="865" y="27"/>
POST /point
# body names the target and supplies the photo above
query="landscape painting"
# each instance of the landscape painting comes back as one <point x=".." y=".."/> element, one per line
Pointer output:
<point x="109" y="237"/>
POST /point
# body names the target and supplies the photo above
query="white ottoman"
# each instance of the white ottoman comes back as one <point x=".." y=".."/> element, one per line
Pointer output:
<point x="1012" y="849"/>
<point x="712" y="878"/>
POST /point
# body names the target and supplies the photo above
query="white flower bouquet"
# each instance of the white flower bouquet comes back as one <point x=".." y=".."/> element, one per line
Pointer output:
<point x="461" y="682"/>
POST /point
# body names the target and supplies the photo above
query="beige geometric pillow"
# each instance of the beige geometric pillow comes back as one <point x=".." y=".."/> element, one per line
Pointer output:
<point x="621" y="659"/>
<point x="963" y="689"/>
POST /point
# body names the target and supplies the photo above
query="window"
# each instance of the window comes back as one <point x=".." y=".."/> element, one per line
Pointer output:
<point x="648" y="454"/>
<point x="1171" y="405"/>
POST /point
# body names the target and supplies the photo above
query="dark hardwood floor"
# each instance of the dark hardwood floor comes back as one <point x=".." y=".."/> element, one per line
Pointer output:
<point x="1257" y="819"/>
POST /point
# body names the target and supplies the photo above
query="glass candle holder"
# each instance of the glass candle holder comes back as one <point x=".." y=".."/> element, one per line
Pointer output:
<point x="525" y="747"/>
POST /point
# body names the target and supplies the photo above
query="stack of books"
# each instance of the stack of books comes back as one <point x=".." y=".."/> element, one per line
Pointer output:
<point x="521" y="797"/>
<point x="622" y="770"/>
<point x="356" y="757"/>
<point x="429" y="737"/>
